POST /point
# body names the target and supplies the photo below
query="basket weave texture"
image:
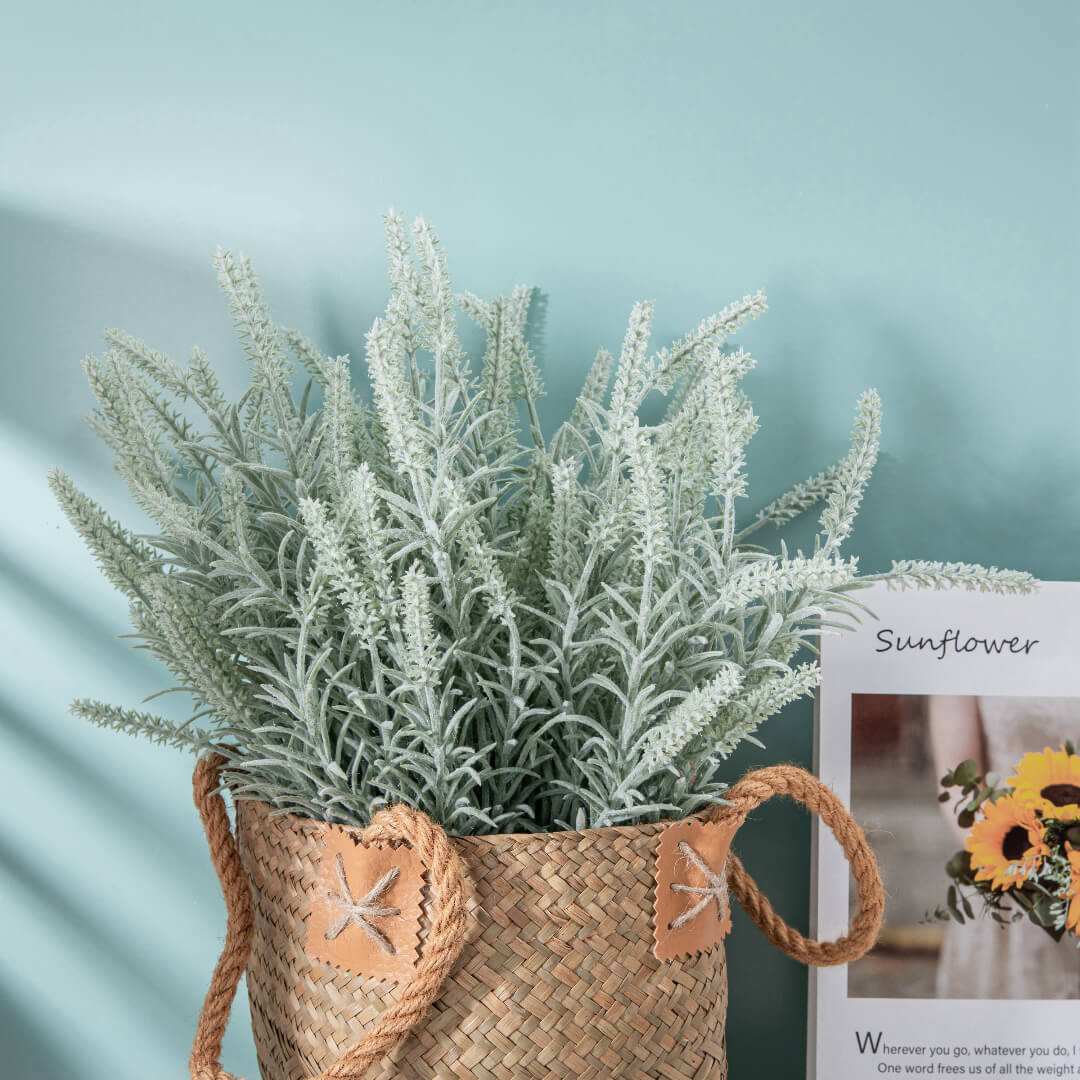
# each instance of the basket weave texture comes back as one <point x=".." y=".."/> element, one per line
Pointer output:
<point x="557" y="977"/>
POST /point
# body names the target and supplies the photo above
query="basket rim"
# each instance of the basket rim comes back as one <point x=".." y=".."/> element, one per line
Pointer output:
<point x="571" y="837"/>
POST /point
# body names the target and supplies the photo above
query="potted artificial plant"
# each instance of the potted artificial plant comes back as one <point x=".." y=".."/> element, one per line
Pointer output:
<point x="472" y="693"/>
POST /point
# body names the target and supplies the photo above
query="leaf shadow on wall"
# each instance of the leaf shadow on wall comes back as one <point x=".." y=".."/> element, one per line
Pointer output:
<point x="31" y="1046"/>
<point x="130" y="911"/>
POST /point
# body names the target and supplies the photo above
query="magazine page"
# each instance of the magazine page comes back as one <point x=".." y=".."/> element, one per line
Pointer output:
<point x="953" y="988"/>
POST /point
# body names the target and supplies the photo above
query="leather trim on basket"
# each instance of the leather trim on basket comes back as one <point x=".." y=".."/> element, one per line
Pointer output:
<point x="368" y="923"/>
<point x="692" y="910"/>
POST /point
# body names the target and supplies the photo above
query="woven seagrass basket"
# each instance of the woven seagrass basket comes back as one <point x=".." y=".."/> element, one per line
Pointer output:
<point x="536" y="954"/>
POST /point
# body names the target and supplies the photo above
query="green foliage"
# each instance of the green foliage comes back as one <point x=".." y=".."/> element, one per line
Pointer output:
<point x="393" y="597"/>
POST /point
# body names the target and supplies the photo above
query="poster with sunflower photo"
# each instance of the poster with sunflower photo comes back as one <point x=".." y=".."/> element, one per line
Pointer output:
<point x="950" y="722"/>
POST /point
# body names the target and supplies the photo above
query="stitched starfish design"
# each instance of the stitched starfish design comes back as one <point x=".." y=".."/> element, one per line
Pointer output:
<point x="363" y="910"/>
<point x="715" y="888"/>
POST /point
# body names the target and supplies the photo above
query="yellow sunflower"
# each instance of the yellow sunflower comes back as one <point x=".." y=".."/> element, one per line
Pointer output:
<point x="1072" y="919"/>
<point x="1007" y="844"/>
<point x="1050" y="782"/>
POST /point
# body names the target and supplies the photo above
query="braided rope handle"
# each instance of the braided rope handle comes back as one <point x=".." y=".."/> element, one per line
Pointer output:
<point x="206" y="1049"/>
<point x="754" y="789"/>
<point x="395" y="823"/>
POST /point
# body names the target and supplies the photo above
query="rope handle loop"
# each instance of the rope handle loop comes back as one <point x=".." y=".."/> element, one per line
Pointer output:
<point x="754" y="789"/>
<point x="393" y="824"/>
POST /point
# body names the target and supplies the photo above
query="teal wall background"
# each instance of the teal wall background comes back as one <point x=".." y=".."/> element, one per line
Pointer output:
<point x="900" y="179"/>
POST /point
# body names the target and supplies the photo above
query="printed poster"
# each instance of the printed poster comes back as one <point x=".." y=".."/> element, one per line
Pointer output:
<point x="940" y="677"/>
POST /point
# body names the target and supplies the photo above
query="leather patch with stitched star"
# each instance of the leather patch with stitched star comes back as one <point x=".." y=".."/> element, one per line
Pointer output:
<point x="365" y="912"/>
<point x="692" y="910"/>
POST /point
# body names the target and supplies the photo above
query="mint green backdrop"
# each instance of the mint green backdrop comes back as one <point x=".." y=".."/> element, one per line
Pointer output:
<point x="900" y="179"/>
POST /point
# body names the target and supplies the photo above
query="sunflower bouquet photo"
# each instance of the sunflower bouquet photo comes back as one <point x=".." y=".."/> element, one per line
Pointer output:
<point x="1022" y="850"/>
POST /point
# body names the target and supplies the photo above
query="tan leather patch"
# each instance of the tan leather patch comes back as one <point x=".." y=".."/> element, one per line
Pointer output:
<point x="365" y="913"/>
<point x="692" y="910"/>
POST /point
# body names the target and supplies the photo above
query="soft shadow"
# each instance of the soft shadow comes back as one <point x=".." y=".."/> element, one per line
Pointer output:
<point x="75" y="771"/>
<point x="95" y="635"/>
<point x="113" y="951"/>
<point x="29" y="1044"/>
<point x="61" y="285"/>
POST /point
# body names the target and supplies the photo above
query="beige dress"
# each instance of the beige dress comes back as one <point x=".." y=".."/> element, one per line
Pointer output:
<point x="983" y="959"/>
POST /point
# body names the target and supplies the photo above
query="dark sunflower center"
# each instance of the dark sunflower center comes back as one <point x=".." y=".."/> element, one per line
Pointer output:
<point x="1016" y="842"/>
<point x="1061" y="794"/>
